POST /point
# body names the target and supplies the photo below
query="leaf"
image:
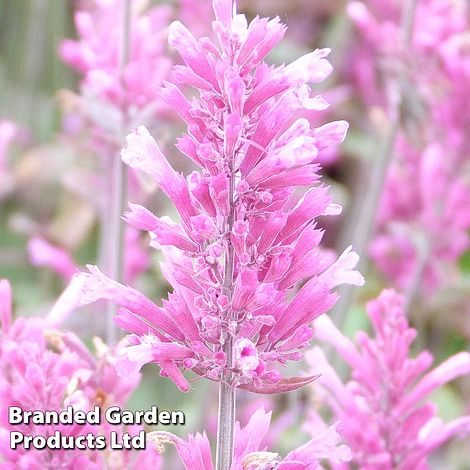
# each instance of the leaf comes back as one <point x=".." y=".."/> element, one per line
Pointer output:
<point x="283" y="386"/>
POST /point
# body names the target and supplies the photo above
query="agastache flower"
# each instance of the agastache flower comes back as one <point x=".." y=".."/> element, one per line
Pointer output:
<point x="96" y="54"/>
<point x="247" y="236"/>
<point x="427" y="184"/>
<point x="385" y="413"/>
<point x="34" y="378"/>
<point x="48" y="370"/>
<point x="250" y="453"/>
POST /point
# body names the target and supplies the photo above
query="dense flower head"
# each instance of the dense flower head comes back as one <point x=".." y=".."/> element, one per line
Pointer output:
<point x="48" y="370"/>
<point x="385" y="414"/>
<point x="379" y="50"/>
<point x="423" y="193"/>
<point x="247" y="234"/>
<point x="96" y="53"/>
<point x="428" y="181"/>
<point x="251" y="454"/>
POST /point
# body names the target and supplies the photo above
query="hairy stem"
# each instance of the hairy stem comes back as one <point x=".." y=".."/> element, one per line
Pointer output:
<point x="227" y="390"/>
<point x="226" y="425"/>
<point x="119" y="182"/>
<point x="364" y="223"/>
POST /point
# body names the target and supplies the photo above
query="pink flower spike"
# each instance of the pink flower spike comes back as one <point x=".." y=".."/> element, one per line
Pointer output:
<point x="250" y="452"/>
<point x="385" y="412"/>
<point x="254" y="148"/>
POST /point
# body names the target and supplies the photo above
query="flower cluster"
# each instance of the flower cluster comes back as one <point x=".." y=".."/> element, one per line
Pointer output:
<point x="97" y="53"/>
<point x="427" y="186"/>
<point x="386" y="415"/>
<point x="48" y="370"/>
<point x="247" y="235"/>
<point x="250" y="454"/>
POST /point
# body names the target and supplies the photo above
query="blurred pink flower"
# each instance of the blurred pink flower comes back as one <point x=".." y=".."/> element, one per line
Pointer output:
<point x="385" y="413"/>
<point x="96" y="53"/>
<point x="428" y="181"/>
<point x="44" y="254"/>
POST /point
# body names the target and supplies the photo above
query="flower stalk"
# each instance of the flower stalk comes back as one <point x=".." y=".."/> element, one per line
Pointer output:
<point x="226" y="422"/>
<point x="119" y="181"/>
<point x="227" y="390"/>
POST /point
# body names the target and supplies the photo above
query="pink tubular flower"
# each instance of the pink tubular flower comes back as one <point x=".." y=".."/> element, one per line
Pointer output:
<point x="195" y="453"/>
<point x="247" y="235"/>
<point x="43" y="253"/>
<point x="384" y="411"/>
